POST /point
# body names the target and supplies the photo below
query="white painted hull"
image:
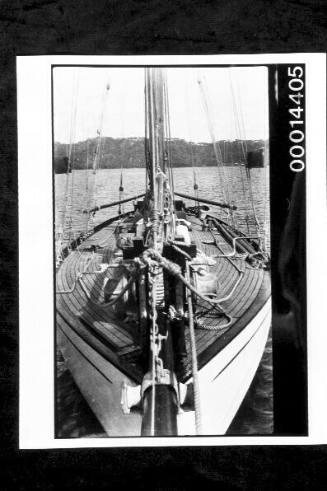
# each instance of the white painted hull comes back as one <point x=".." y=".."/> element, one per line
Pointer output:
<point x="224" y="381"/>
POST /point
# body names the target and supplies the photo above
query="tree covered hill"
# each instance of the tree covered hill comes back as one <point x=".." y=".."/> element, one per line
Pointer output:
<point x="129" y="152"/>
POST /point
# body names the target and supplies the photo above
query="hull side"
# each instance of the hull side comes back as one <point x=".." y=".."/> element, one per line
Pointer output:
<point x="224" y="381"/>
<point x="100" y="383"/>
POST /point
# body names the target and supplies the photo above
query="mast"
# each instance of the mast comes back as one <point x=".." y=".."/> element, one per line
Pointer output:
<point x="159" y="393"/>
<point x="159" y="193"/>
<point x="165" y="249"/>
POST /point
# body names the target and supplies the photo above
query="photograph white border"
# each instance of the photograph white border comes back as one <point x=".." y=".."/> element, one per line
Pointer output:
<point x="36" y="310"/>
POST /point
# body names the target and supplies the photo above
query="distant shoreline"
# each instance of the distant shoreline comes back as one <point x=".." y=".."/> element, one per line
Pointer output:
<point x="125" y="153"/>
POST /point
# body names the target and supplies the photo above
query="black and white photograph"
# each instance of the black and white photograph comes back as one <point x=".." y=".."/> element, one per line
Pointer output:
<point x="162" y="247"/>
<point x="175" y="218"/>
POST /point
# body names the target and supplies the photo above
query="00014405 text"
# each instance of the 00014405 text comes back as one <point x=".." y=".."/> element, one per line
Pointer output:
<point x="296" y="135"/>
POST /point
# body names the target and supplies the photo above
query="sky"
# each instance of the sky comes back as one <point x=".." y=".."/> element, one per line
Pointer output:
<point x="81" y="101"/>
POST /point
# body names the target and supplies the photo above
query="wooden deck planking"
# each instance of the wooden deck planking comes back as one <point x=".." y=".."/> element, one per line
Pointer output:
<point x="120" y="335"/>
<point x="76" y="303"/>
<point x="245" y="293"/>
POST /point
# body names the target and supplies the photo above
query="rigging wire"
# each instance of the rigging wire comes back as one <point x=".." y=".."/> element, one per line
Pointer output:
<point x="248" y="172"/>
<point x="121" y="191"/>
<point x="96" y="165"/>
<point x="266" y="212"/>
<point x="241" y="167"/>
<point x="65" y="227"/>
<point x="123" y="156"/>
<point x="168" y="138"/>
<point x="169" y="146"/>
<point x="240" y="127"/>
<point x="87" y="190"/>
<point x="73" y="161"/>
<point x="266" y="186"/>
<point x="190" y="137"/>
<point x="223" y="180"/>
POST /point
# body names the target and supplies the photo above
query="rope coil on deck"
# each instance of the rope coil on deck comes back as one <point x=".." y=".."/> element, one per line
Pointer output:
<point x="152" y="258"/>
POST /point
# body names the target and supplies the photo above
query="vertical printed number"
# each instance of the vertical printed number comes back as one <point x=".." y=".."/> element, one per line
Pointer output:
<point x="296" y="135"/>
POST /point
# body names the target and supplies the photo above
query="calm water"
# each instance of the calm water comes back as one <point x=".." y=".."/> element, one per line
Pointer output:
<point x="255" y="416"/>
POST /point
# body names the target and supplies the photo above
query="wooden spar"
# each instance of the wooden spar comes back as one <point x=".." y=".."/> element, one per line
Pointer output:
<point x="207" y="201"/>
<point x="159" y="398"/>
<point x="160" y="405"/>
<point x="114" y="203"/>
<point x="165" y="412"/>
<point x="181" y="195"/>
